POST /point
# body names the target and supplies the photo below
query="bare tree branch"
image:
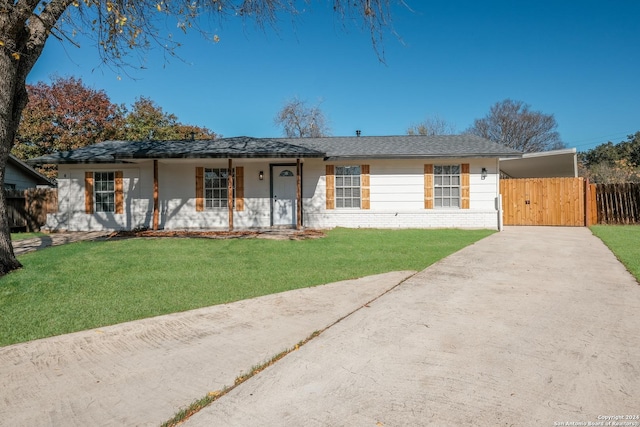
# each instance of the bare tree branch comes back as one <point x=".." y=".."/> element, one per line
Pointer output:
<point x="514" y="124"/>
<point x="301" y="121"/>
<point x="432" y="126"/>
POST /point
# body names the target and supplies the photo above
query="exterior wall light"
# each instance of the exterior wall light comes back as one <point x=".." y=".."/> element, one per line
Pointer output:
<point x="261" y="175"/>
<point x="484" y="173"/>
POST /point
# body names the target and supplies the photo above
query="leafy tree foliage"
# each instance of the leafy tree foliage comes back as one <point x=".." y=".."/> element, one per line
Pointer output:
<point x="63" y="116"/>
<point x="298" y="120"/>
<point x="66" y="115"/>
<point x="514" y="124"/>
<point x="147" y="120"/>
<point x="613" y="163"/>
<point x="432" y="126"/>
<point x="609" y="152"/>
<point x="619" y="172"/>
<point x="119" y="27"/>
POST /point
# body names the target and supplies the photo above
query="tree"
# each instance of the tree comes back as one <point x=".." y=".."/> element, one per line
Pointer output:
<point x="66" y="115"/>
<point x="147" y="120"/>
<point x="514" y="124"/>
<point x="432" y="126"/>
<point x="618" y="172"/>
<point x="63" y="116"/>
<point x="118" y="27"/>
<point x="609" y="152"/>
<point x="610" y="163"/>
<point x="298" y="120"/>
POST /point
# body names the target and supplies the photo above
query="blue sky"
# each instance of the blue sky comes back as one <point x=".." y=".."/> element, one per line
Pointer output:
<point x="576" y="60"/>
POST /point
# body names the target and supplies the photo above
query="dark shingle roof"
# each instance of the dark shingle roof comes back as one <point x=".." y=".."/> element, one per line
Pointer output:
<point x="407" y="146"/>
<point x="238" y="147"/>
<point x="364" y="147"/>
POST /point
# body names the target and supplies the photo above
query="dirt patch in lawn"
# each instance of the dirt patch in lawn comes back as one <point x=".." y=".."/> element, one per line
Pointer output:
<point x="274" y="234"/>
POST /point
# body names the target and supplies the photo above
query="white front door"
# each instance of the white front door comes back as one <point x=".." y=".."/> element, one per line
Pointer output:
<point x="283" y="196"/>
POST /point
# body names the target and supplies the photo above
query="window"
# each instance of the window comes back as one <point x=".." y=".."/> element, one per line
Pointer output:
<point x="104" y="191"/>
<point x="347" y="186"/>
<point x="216" y="188"/>
<point x="446" y="183"/>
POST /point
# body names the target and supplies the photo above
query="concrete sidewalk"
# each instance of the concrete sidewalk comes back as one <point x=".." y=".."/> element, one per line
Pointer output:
<point x="141" y="373"/>
<point x="528" y="327"/>
<point x="21" y="247"/>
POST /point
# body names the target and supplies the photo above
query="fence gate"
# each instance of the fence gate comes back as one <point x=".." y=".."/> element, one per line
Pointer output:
<point x="543" y="201"/>
<point x="27" y="209"/>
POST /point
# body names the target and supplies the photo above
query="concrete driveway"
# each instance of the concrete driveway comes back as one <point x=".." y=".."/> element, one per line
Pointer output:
<point x="531" y="326"/>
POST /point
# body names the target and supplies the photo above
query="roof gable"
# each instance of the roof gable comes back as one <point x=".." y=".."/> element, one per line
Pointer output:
<point x="28" y="170"/>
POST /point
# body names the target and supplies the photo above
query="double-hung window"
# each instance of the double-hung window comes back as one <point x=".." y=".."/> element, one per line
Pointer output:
<point x="216" y="188"/>
<point x="348" y="185"/>
<point x="446" y="183"/>
<point x="104" y="191"/>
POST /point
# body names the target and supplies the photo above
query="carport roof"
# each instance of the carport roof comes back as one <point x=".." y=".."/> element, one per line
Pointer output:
<point x="545" y="164"/>
<point x="330" y="148"/>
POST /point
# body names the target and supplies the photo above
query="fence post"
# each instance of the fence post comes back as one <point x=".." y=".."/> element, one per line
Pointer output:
<point x="587" y="203"/>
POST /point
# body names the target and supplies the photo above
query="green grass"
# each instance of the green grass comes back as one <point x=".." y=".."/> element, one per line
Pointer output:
<point x="624" y="242"/>
<point x="91" y="284"/>
<point x="23" y="236"/>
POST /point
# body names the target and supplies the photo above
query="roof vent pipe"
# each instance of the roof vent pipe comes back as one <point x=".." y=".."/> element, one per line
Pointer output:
<point x="358" y="132"/>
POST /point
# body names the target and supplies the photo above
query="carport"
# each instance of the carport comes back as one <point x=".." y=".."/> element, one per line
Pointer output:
<point x="543" y="189"/>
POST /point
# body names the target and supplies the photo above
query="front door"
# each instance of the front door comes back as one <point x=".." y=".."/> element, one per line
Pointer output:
<point x="283" y="196"/>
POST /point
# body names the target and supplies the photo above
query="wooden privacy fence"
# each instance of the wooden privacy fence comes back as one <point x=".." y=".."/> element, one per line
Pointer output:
<point x="617" y="203"/>
<point x="27" y="210"/>
<point x="544" y="201"/>
<point x="568" y="202"/>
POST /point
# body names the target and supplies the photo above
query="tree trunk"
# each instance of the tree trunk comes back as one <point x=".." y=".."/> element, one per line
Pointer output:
<point x="12" y="101"/>
<point x="23" y="36"/>
<point x="8" y="261"/>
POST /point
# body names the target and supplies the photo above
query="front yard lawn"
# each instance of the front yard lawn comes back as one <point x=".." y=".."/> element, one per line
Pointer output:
<point x="91" y="284"/>
<point x="624" y="242"/>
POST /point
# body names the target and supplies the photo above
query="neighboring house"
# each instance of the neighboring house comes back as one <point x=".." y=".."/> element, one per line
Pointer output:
<point x="373" y="182"/>
<point x="20" y="176"/>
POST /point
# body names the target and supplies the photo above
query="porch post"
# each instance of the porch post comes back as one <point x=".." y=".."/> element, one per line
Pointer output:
<point x="298" y="196"/>
<point x="155" y="195"/>
<point x="230" y="194"/>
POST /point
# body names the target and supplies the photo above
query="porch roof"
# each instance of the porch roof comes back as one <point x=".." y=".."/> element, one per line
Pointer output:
<point x="122" y="151"/>
<point x="329" y="148"/>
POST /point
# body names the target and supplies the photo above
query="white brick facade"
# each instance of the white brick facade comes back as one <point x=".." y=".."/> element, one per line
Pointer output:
<point x="396" y="196"/>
